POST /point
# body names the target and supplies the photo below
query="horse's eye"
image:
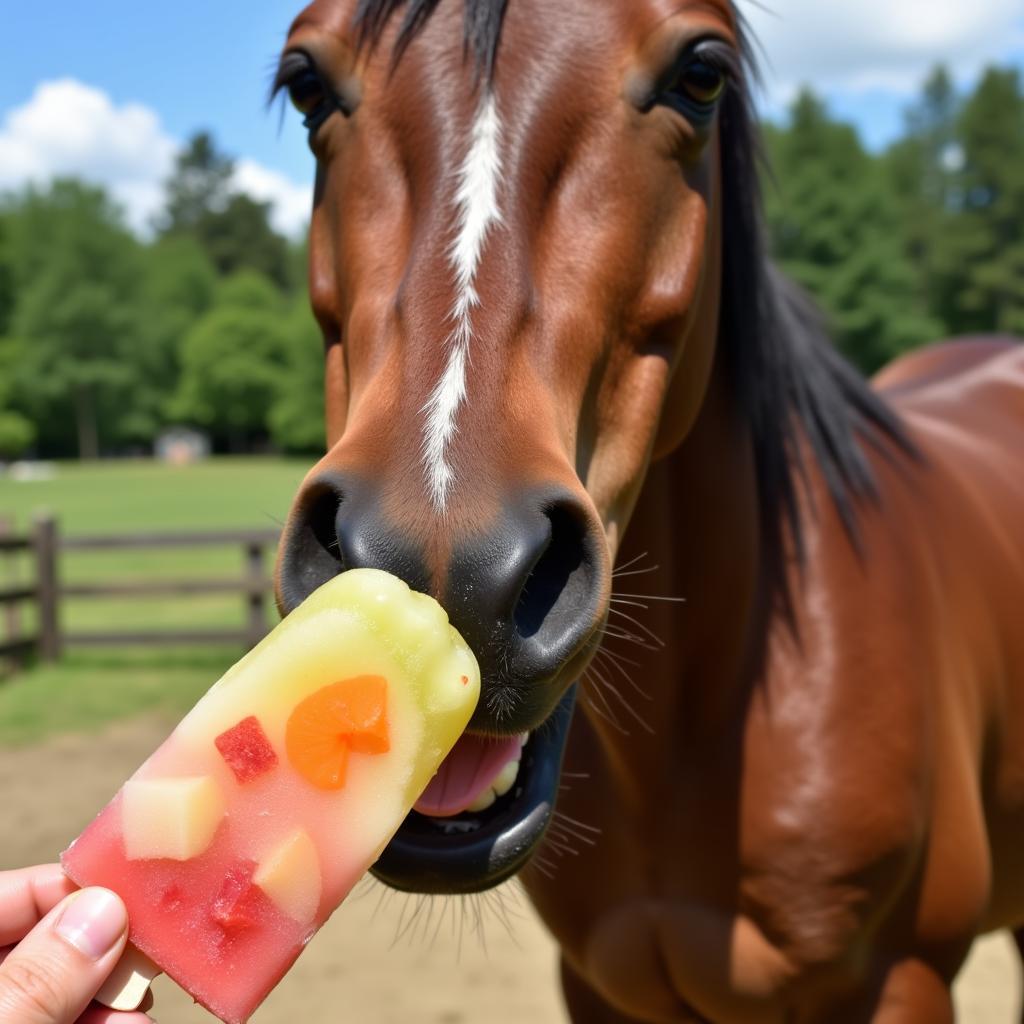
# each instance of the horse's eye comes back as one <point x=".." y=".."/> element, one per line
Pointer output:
<point x="702" y="83"/>
<point x="307" y="90"/>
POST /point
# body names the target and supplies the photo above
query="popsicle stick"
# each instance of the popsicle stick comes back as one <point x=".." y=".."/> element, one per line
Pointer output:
<point x="127" y="985"/>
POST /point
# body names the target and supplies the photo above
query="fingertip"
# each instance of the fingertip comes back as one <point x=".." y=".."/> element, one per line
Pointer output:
<point x="94" y="921"/>
<point x="97" y="1014"/>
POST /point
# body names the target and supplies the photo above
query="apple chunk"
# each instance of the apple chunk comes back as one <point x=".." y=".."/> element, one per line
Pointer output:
<point x="174" y="818"/>
<point x="290" y="876"/>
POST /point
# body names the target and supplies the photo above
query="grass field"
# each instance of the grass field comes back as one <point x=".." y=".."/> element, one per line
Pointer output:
<point x="90" y="687"/>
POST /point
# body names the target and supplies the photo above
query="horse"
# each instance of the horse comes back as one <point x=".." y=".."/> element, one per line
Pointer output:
<point x="555" y="343"/>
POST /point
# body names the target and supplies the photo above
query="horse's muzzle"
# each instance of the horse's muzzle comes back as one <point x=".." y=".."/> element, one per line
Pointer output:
<point x="527" y="595"/>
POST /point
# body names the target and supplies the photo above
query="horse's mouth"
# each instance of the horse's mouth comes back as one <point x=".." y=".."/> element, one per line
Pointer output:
<point x="473" y="850"/>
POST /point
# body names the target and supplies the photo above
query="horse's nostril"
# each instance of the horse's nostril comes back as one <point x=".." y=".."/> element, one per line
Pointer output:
<point x="337" y="525"/>
<point x="526" y="596"/>
<point x="559" y="576"/>
<point x="320" y="520"/>
<point x="310" y="554"/>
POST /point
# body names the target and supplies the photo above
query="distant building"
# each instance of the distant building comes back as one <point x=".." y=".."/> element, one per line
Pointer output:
<point x="181" y="446"/>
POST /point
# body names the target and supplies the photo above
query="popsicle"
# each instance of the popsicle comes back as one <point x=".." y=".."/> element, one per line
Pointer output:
<point x="238" y="837"/>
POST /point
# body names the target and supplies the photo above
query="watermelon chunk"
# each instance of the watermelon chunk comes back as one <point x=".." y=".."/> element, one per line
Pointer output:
<point x="246" y="749"/>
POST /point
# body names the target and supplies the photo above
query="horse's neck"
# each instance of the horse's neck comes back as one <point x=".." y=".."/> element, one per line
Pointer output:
<point x="697" y="520"/>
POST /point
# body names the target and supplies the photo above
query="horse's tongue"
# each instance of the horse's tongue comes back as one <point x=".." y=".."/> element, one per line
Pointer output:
<point x="471" y="766"/>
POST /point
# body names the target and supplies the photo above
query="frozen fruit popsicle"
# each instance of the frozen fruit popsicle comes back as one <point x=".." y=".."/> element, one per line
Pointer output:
<point x="236" y="840"/>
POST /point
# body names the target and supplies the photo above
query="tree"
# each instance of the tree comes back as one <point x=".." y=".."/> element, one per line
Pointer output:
<point x="76" y="276"/>
<point x="249" y="289"/>
<point x="988" y="241"/>
<point x="199" y="185"/>
<point x="297" y="417"/>
<point x="834" y="229"/>
<point x="7" y="258"/>
<point x="178" y="286"/>
<point x="232" y="227"/>
<point x="921" y="170"/>
<point x="16" y="431"/>
<point x="240" y="236"/>
<point x="232" y="363"/>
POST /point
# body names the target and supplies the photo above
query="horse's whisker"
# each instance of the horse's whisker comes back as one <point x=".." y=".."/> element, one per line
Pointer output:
<point x="652" y="597"/>
<point x="618" y="633"/>
<point x="614" y="665"/>
<point x="617" y="656"/>
<point x="562" y="846"/>
<point x="621" y="600"/>
<point x="563" y="834"/>
<point x="646" y="630"/>
<point x="629" y="707"/>
<point x="562" y="816"/>
<point x="625" y="565"/>
<point x="635" y="572"/>
<point x="543" y="866"/>
<point x="607" y="714"/>
<point x="496" y="901"/>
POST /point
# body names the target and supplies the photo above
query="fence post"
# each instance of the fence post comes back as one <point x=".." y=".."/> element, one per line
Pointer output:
<point x="12" y="613"/>
<point x="44" y="544"/>
<point x="256" y="627"/>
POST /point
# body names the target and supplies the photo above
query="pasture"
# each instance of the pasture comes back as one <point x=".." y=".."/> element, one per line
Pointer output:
<point x="91" y="687"/>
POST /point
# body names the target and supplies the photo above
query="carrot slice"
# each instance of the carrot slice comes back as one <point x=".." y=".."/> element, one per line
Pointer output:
<point x="350" y="715"/>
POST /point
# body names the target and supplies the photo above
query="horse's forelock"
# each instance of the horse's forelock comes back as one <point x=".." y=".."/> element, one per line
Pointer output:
<point x="482" y="22"/>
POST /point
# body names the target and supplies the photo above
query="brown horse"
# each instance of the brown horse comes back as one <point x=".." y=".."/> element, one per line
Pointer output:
<point x="538" y="263"/>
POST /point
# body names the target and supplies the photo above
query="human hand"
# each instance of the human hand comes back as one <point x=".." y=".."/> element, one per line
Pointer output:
<point x="57" y="946"/>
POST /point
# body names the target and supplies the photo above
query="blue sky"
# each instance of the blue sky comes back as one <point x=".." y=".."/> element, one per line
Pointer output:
<point x="109" y="88"/>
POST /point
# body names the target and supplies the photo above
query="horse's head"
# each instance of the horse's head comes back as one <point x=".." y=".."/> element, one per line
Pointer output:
<point x="514" y="261"/>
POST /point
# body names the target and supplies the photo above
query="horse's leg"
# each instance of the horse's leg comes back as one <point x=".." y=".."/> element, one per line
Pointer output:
<point x="585" y="1006"/>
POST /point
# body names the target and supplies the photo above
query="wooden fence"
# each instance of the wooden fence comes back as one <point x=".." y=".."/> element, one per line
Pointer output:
<point x="44" y="545"/>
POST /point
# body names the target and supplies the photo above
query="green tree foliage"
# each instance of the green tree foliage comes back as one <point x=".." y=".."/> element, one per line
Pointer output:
<point x="297" y="417"/>
<point x="232" y="362"/>
<point x="178" y="286"/>
<point x="233" y="228"/>
<point x="76" y="276"/>
<point x="199" y="185"/>
<point x="240" y="236"/>
<point x="921" y="172"/>
<point x="833" y="224"/>
<point x="988" y="235"/>
<point x="16" y="431"/>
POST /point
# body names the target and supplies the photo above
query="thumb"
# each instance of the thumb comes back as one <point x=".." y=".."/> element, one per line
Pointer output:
<point x="53" y="973"/>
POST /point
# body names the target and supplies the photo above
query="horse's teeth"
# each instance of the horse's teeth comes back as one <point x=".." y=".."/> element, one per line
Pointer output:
<point x="499" y="787"/>
<point x="483" y="801"/>
<point x="506" y="777"/>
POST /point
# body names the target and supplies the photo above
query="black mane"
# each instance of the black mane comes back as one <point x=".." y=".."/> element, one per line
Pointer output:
<point x="790" y="380"/>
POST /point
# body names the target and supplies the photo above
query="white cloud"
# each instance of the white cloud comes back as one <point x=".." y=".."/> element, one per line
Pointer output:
<point x="290" y="203"/>
<point x="69" y="128"/>
<point x="859" y="45"/>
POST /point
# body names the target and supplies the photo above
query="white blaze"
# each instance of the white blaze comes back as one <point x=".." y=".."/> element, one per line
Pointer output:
<point x="476" y="205"/>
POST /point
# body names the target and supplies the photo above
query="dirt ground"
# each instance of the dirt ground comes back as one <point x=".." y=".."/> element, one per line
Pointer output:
<point x="384" y="958"/>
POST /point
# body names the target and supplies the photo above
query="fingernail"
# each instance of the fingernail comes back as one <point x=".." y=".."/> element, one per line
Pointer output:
<point x="93" y="922"/>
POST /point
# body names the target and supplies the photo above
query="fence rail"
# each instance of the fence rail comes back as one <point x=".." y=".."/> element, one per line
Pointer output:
<point x="45" y="545"/>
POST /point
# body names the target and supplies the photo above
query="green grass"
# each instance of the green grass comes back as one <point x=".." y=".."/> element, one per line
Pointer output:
<point x="91" y="687"/>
